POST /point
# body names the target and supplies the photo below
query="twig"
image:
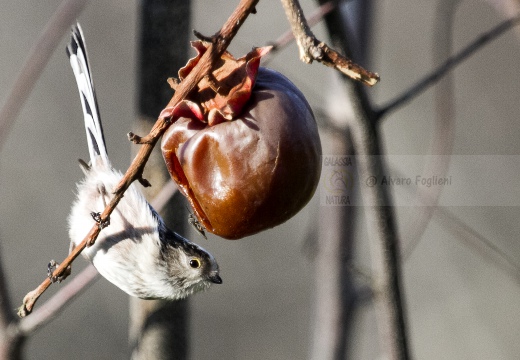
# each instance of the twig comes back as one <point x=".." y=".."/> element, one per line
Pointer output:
<point x="221" y="41"/>
<point x="312" y="49"/>
<point x="52" y="307"/>
<point x="287" y="37"/>
<point x="447" y="66"/>
<point x="34" y="64"/>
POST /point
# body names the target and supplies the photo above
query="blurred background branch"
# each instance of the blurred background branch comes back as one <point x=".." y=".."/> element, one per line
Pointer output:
<point x="384" y="244"/>
<point x="36" y="61"/>
<point x="159" y="329"/>
<point x="10" y="339"/>
<point x="443" y="135"/>
<point x="448" y="65"/>
<point x="336" y="294"/>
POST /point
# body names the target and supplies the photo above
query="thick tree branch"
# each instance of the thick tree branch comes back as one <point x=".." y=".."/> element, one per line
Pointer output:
<point x="221" y="41"/>
<point x="312" y="49"/>
<point x="384" y="242"/>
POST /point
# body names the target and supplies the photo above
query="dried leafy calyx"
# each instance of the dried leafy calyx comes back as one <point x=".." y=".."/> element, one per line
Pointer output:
<point x="222" y="94"/>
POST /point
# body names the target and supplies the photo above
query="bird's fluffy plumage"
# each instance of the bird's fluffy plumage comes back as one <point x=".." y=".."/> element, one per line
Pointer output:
<point x="136" y="252"/>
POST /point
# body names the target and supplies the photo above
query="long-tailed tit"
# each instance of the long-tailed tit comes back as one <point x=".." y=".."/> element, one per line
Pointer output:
<point x="136" y="251"/>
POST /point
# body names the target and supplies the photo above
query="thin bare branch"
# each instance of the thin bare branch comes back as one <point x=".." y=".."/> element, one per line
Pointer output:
<point x="42" y="50"/>
<point x="507" y="9"/>
<point x="475" y="241"/>
<point x="446" y="67"/>
<point x="57" y="303"/>
<point x="52" y="307"/>
<point x="288" y="37"/>
<point x="479" y="243"/>
<point x="469" y="237"/>
<point x="444" y="127"/>
<point x="221" y="41"/>
<point x="313" y="49"/>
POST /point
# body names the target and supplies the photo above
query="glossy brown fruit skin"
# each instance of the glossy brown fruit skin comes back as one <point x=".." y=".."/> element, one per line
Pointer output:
<point x="254" y="172"/>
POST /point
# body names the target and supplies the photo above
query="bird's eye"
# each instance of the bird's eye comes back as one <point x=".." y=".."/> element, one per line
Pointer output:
<point x="195" y="263"/>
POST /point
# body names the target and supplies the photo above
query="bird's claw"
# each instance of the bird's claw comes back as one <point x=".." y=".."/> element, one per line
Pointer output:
<point x="97" y="218"/>
<point x="51" y="266"/>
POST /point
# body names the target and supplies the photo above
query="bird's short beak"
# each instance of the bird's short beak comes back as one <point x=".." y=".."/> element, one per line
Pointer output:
<point x="215" y="278"/>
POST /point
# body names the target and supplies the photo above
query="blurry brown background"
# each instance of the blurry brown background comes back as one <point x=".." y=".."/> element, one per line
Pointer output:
<point x="459" y="305"/>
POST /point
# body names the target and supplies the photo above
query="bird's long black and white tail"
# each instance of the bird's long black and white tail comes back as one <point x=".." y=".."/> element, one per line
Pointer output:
<point x="77" y="52"/>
